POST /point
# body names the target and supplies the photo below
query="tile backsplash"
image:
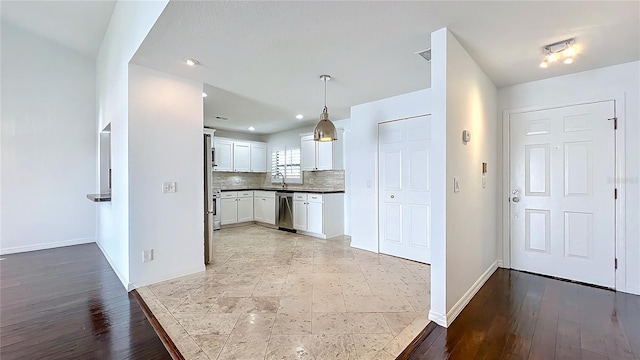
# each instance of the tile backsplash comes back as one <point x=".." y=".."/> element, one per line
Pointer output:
<point x="328" y="180"/>
<point x="234" y="180"/>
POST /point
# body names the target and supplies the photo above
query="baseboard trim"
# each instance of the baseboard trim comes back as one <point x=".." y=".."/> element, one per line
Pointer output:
<point x="123" y="280"/>
<point x="460" y="305"/>
<point x="44" y="246"/>
<point x="162" y="334"/>
<point x="500" y="264"/>
<point x="438" y="318"/>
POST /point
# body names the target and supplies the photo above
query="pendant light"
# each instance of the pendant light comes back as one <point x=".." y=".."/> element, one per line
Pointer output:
<point x="325" y="130"/>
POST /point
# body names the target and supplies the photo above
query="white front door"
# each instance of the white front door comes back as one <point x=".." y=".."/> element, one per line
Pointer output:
<point x="562" y="166"/>
<point x="404" y="199"/>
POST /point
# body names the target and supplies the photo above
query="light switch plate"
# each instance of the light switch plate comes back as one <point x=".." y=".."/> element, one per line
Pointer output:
<point x="168" y="187"/>
<point x="147" y="255"/>
<point x="456" y="184"/>
<point x="484" y="181"/>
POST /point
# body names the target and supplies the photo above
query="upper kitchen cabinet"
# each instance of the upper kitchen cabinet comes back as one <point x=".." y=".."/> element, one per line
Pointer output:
<point x="223" y="154"/>
<point x="258" y="157"/>
<point x="322" y="155"/>
<point x="239" y="156"/>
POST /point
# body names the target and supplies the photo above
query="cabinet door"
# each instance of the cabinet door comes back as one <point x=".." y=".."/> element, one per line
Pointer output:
<point x="241" y="157"/>
<point x="245" y="209"/>
<point x="324" y="155"/>
<point x="300" y="215"/>
<point x="258" y="158"/>
<point x="223" y="155"/>
<point x="308" y="153"/>
<point x="228" y="211"/>
<point x="258" y="212"/>
<point x="315" y="218"/>
<point x="269" y="210"/>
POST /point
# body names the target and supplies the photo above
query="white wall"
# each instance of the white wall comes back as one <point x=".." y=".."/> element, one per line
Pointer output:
<point x="48" y="143"/>
<point x="471" y="213"/>
<point x="130" y="23"/>
<point x="621" y="83"/>
<point x="165" y="144"/>
<point x="362" y="158"/>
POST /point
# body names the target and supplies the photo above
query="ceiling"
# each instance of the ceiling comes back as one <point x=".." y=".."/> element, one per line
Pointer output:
<point x="79" y="25"/>
<point x="264" y="58"/>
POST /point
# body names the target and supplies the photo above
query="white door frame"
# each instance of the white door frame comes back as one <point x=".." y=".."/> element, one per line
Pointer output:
<point x="619" y="136"/>
<point x="377" y="184"/>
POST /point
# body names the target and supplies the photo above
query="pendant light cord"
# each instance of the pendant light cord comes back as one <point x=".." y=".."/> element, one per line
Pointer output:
<point x="325" y="92"/>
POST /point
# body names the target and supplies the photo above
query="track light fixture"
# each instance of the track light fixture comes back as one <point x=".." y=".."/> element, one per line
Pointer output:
<point x="564" y="51"/>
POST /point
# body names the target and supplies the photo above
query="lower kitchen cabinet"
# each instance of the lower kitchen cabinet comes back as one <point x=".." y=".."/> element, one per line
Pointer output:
<point x="264" y="207"/>
<point x="319" y="215"/>
<point x="245" y="209"/>
<point x="236" y="207"/>
<point x="228" y="211"/>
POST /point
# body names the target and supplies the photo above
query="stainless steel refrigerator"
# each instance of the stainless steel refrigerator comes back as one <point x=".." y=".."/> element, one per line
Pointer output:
<point x="209" y="201"/>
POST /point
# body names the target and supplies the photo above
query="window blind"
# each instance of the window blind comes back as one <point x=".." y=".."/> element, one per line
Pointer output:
<point x="285" y="164"/>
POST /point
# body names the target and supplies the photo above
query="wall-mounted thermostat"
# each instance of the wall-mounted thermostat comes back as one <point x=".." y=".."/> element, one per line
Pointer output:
<point x="466" y="136"/>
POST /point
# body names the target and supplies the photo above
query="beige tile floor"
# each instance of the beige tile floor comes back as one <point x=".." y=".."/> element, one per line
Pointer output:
<point x="275" y="295"/>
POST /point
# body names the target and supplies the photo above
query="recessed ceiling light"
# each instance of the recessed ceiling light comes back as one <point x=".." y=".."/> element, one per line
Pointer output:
<point x="191" y="62"/>
<point x="299" y="116"/>
<point x="251" y="128"/>
<point x="204" y="95"/>
<point x="568" y="60"/>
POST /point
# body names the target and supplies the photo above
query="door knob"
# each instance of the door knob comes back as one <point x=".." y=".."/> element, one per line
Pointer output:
<point x="516" y="199"/>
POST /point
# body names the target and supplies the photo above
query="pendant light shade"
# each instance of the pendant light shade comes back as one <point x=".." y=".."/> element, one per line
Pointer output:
<point x="325" y="130"/>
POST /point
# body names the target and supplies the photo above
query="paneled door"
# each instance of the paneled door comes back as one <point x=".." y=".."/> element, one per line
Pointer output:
<point x="562" y="166"/>
<point x="404" y="198"/>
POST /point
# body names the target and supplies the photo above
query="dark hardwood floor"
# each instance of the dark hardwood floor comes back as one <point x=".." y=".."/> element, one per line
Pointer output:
<point x="67" y="303"/>
<point x="518" y="315"/>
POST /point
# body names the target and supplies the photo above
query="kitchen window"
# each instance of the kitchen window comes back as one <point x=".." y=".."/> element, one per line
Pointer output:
<point x="285" y="164"/>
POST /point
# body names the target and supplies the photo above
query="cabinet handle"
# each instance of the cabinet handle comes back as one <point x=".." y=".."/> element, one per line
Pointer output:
<point x="392" y="196"/>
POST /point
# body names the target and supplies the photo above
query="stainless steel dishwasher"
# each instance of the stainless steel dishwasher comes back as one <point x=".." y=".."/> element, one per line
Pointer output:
<point x="284" y="212"/>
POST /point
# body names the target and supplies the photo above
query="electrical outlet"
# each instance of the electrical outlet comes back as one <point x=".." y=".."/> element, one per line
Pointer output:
<point x="168" y="187"/>
<point x="147" y="255"/>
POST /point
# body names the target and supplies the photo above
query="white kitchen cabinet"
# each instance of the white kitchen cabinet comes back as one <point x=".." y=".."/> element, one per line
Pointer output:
<point x="300" y="215"/>
<point x="318" y="155"/>
<point x="236" y="207"/>
<point x="315" y="216"/>
<point x="258" y="157"/>
<point x="245" y="209"/>
<point x="228" y="211"/>
<point x="223" y="154"/>
<point x="318" y="215"/>
<point x="308" y="153"/>
<point x="241" y="157"/>
<point x="264" y="207"/>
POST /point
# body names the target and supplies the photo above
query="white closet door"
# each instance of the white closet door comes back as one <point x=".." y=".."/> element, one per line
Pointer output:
<point x="404" y="189"/>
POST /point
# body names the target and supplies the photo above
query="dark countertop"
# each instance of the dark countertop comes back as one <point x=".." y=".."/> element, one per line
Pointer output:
<point x="99" y="197"/>
<point x="312" y="191"/>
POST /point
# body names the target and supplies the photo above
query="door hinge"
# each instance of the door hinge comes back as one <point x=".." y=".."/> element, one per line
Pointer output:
<point x="616" y="264"/>
<point x="615" y="193"/>
<point x="615" y="123"/>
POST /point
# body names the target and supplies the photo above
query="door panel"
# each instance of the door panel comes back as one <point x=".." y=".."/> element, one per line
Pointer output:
<point x="562" y="203"/>
<point x="404" y="189"/>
